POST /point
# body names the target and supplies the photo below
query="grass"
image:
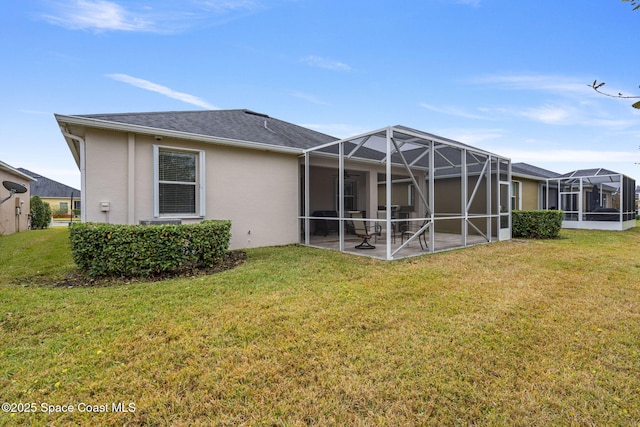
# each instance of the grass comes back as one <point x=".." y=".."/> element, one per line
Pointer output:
<point x="512" y="333"/>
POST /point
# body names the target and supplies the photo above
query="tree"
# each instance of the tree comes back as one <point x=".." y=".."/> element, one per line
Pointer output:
<point x="596" y="86"/>
<point x="40" y="213"/>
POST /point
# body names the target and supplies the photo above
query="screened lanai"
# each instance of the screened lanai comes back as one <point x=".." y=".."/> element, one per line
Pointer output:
<point x="597" y="199"/>
<point x="399" y="192"/>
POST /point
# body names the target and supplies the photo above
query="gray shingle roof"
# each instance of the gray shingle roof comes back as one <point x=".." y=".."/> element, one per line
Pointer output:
<point x="241" y="125"/>
<point x="45" y="187"/>
<point x="531" y="170"/>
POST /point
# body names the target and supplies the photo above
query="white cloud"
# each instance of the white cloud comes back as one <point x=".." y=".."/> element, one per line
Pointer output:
<point x="221" y="6"/>
<point x="163" y="90"/>
<point x="547" y="114"/>
<point x="163" y="16"/>
<point x="97" y="15"/>
<point x="537" y="82"/>
<point x="326" y="63"/>
<point x="310" y="98"/>
<point x="453" y="111"/>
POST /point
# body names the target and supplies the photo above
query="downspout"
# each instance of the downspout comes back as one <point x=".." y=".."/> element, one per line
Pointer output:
<point x="83" y="178"/>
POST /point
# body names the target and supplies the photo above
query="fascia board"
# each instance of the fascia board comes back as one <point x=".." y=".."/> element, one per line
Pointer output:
<point x="14" y="171"/>
<point x="75" y="152"/>
<point x="104" y="124"/>
<point x="525" y="176"/>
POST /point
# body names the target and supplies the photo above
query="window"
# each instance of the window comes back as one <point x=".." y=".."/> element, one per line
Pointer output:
<point x="516" y="199"/>
<point x="350" y="195"/>
<point x="64" y="206"/>
<point x="178" y="182"/>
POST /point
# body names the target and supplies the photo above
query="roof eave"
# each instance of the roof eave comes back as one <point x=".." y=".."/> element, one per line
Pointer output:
<point x="16" y="172"/>
<point x="528" y="176"/>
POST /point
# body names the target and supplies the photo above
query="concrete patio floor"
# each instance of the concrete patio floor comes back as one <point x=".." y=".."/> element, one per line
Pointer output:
<point x="443" y="242"/>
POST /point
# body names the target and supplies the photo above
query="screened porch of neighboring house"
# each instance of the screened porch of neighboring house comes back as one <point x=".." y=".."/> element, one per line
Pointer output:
<point x="415" y="192"/>
<point x="596" y="199"/>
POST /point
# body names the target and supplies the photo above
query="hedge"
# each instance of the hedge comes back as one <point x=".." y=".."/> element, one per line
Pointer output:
<point x="137" y="250"/>
<point x="536" y="224"/>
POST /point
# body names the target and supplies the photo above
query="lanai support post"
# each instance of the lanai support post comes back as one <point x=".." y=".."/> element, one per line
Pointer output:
<point x="388" y="186"/>
<point x="341" y="195"/>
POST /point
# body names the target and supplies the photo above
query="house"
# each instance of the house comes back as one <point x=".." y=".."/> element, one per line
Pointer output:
<point x="598" y="199"/>
<point x="280" y="183"/>
<point x="14" y="206"/>
<point x="62" y="199"/>
<point x="529" y="187"/>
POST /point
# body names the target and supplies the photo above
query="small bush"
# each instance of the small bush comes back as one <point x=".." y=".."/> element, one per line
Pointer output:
<point x="40" y="213"/>
<point x="136" y="250"/>
<point x="536" y="224"/>
<point x="59" y="211"/>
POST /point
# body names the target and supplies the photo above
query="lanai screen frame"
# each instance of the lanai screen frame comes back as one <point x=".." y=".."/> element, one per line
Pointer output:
<point x="581" y="217"/>
<point x="492" y="172"/>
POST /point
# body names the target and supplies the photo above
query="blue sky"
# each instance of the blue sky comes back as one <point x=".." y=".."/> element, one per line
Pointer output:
<point x="510" y="77"/>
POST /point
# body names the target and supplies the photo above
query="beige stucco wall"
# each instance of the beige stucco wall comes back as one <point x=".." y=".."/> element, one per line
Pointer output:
<point x="530" y="193"/>
<point x="106" y="176"/>
<point x="9" y="221"/>
<point x="256" y="190"/>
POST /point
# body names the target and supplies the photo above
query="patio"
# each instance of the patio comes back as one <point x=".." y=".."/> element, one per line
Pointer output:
<point x="442" y="242"/>
<point x="426" y="192"/>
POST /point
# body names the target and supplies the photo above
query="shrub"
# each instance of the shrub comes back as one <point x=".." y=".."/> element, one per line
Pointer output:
<point x="59" y="212"/>
<point x="137" y="250"/>
<point x="40" y="213"/>
<point x="536" y="224"/>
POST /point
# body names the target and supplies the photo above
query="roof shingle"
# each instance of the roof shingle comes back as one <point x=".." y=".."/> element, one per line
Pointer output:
<point x="241" y="125"/>
<point x="45" y="187"/>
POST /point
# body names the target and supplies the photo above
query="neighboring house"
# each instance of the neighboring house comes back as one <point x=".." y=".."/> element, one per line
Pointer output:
<point x="14" y="210"/>
<point x="62" y="199"/>
<point x="594" y="199"/>
<point x="529" y="187"/>
<point x="274" y="179"/>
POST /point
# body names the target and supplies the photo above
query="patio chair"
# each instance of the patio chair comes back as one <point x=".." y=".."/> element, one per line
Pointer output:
<point x="408" y="232"/>
<point x="360" y="229"/>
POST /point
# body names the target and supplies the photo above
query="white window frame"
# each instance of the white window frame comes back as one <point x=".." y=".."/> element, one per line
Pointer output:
<point x="200" y="182"/>
<point x="352" y="184"/>
<point x="516" y="194"/>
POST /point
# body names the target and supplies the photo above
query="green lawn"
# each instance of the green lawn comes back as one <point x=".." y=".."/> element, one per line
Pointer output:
<point x="513" y="333"/>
